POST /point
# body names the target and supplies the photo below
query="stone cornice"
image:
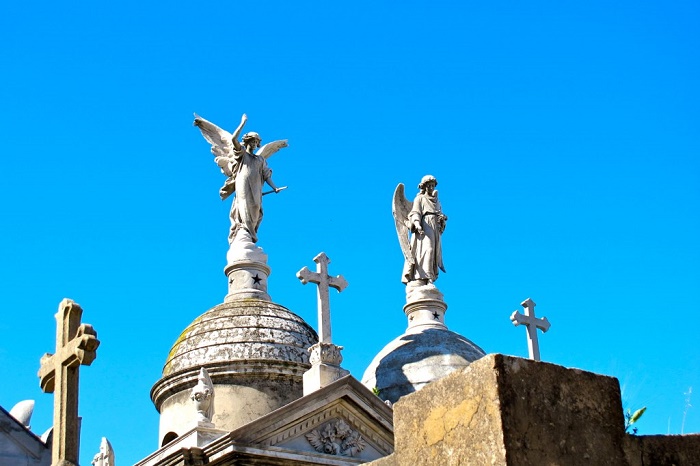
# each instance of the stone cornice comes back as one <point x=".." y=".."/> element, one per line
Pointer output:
<point x="231" y="372"/>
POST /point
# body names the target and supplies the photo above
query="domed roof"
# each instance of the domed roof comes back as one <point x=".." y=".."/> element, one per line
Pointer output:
<point x="242" y="338"/>
<point x="416" y="358"/>
<point x="242" y="330"/>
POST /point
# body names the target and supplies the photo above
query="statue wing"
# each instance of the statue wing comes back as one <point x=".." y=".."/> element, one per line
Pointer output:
<point x="219" y="139"/>
<point x="400" y="208"/>
<point x="270" y="148"/>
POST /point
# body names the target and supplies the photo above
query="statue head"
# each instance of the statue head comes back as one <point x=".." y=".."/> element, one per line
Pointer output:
<point x="252" y="137"/>
<point x="425" y="181"/>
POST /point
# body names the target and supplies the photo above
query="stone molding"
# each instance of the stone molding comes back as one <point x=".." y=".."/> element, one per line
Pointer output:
<point x="232" y="372"/>
<point x="228" y="451"/>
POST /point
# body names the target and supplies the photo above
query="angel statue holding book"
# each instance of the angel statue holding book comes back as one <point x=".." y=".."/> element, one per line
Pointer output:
<point x="425" y="222"/>
<point x="247" y="171"/>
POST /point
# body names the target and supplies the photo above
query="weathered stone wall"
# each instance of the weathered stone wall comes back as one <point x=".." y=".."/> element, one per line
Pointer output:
<point x="662" y="450"/>
<point x="506" y="410"/>
<point x="555" y="415"/>
<point x="503" y="410"/>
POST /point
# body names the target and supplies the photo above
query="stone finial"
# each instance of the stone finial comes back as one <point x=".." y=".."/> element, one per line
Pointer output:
<point x="532" y="323"/>
<point x="203" y="397"/>
<point x="76" y="345"/>
<point x="105" y="457"/>
<point x="325" y="357"/>
<point x="23" y="411"/>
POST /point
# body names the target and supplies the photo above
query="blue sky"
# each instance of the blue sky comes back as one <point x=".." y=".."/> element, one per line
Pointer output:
<point x="564" y="138"/>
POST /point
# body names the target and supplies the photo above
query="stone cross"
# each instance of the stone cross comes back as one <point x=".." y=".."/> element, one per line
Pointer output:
<point x="324" y="282"/>
<point x="532" y="323"/>
<point x="76" y="345"/>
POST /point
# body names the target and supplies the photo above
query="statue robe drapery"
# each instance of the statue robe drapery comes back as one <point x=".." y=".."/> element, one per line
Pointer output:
<point x="426" y="248"/>
<point x="249" y="173"/>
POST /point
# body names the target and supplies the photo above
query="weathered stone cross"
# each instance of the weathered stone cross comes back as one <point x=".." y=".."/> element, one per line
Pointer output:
<point x="324" y="282"/>
<point x="76" y="344"/>
<point x="532" y="323"/>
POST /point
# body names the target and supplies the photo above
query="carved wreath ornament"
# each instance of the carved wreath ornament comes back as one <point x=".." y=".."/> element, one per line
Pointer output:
<point x="336" y="438"/>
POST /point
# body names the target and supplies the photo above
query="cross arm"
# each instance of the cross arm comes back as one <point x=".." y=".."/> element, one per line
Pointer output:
<point x="47" y="373"/>
<point x="81" y="350"/>
<point x="543" y="324"/>
<point x="338" y="282"/>
<point x="306" y="276"/>
<point x="519" y="319"/>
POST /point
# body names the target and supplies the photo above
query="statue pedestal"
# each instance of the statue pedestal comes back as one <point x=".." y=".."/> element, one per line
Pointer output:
<point x="424" y="306"/>
<point x="246" y="270"/>
<point x="247" y="279"/>
<point x="325" y="369"/>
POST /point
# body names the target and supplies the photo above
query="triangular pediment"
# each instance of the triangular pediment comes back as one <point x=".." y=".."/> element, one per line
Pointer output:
<point x="344" y="421"/>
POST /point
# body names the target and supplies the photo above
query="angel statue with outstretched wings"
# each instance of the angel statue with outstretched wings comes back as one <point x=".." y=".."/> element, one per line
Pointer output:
<point x="246" y="170"/>
<point x="425" y="222"/>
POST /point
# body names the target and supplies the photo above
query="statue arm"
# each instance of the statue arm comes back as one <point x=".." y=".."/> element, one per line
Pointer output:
<point x="416" y="216"/>
<point x="272" y="184"/>
<point x="237" y="133"/>
<point x="267" y="176"/>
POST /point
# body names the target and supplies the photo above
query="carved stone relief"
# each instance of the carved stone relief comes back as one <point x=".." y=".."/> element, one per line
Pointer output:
<point x="336" y="438"/>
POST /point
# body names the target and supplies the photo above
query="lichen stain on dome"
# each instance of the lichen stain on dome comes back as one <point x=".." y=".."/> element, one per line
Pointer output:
<point x="179" y="340"/>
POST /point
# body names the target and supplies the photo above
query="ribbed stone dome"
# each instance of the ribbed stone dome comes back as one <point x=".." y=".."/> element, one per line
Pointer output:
<point x="249" y="329"/>
<point x="255" y="352"/>
<point x="416" y="358"/>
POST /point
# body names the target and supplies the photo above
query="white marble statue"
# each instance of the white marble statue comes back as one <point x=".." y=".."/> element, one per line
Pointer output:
<point x="203" y="397"/>
<point x="425" y="221"/>
<point x="106" y="455"/>
<point x="247" y="171"/>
